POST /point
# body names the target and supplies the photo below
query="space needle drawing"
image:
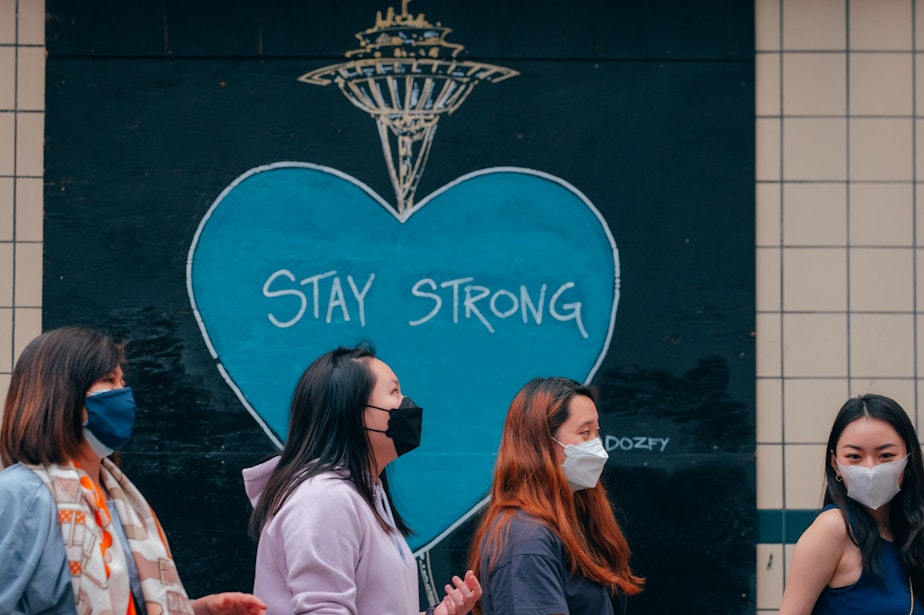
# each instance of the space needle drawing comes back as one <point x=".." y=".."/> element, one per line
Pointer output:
<point x="406" y="76"/>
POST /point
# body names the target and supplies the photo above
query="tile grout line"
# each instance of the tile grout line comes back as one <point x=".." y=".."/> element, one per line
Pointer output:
<point x="914" y="205"/>
<point x="12" y="349"/>
<point x="782" y="308"/>
<point x="848" y="184"/>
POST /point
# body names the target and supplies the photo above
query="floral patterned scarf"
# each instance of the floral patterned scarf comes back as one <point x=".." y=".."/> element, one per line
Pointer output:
<point x="86" y="530"/>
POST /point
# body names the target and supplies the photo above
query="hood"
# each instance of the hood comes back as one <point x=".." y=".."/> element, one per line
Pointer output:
<point x="255" y="478"/>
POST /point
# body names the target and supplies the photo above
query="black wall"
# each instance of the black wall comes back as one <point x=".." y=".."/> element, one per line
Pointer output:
<point x="153" y="108"/>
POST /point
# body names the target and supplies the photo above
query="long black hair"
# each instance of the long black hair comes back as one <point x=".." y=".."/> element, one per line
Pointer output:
<point x="906" y="512"/>
<point x="326" y="432"/>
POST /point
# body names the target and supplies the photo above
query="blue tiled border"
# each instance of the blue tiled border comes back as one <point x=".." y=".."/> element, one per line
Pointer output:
<point x="782" y="526"/>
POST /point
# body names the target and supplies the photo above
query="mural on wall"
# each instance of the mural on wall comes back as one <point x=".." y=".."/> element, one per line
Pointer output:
<point x="234" y="200"/>
<point x="499" y="276"/>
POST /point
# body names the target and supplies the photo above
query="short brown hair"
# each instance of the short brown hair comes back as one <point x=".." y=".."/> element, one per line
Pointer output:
<point x="42" y="415"/>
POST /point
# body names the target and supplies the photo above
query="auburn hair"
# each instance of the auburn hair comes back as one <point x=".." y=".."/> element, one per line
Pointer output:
<point x="528" y="478"/>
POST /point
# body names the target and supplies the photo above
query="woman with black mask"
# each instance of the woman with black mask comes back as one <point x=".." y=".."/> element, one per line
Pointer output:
<point x="328" y="538"/>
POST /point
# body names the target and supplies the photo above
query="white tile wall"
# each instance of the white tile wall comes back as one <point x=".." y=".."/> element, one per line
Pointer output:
<point x="840" y="222"/>
<point x="22" y="125"/>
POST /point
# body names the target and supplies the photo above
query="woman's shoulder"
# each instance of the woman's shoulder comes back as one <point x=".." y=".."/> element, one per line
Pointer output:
<point x="326" y="490"/>
<point x="22" y="491"/>
<point x="828" y="525"/>
<point x="18" y="480"/>
<point x="528" y="534"/>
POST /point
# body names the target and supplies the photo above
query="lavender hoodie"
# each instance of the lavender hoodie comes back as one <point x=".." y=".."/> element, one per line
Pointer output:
<point x="324" y="552"/>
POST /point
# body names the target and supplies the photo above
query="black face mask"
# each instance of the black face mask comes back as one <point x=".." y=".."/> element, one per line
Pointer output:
<point x="404" y="425"/>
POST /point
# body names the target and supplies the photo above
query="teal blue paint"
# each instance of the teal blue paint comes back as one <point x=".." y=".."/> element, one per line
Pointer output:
<point x="782" y="526"/>
<point x="294" y="259"/>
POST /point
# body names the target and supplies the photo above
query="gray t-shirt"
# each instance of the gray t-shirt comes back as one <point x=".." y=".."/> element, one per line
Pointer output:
<point x="531" y="576"/>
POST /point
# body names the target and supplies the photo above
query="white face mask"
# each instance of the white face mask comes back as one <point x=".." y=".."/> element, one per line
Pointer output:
<point x="583" y="463"/>
<point x="98" y="447"/>
<point x="873" y="487"/>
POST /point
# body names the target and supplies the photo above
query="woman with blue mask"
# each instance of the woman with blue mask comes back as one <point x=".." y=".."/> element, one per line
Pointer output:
<point x="549" y="543"/>
<point x="76" y="536"/>
<point x="864" y="552"/>
<point x="329" y="540"/>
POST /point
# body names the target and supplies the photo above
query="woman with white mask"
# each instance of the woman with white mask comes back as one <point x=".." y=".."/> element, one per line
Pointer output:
<point x="864" y="552"/>
<point x="548" y="543"/>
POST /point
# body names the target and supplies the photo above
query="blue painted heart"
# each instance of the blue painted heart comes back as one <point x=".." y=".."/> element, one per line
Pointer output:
<point x="501" y="276"/>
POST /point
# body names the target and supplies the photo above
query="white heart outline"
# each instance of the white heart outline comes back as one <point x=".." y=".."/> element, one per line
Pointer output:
<point x="401" y="218"/>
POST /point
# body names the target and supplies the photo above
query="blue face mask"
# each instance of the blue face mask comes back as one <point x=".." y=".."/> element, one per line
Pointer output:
<point x="110" y="419"/>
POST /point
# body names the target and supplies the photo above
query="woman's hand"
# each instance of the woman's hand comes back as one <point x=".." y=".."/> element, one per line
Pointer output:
<point x="462" y="598"/>
<point x="228" y="603"/>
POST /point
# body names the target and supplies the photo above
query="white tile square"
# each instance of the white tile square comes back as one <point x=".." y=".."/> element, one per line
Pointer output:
<point x="881" y="280"/>
<point x="815" y="214"/>
<point x="814" y="345"/>
<point x="4" y="387"/>
<point x="804" y="469"/>
<point x="881" y="84"/>
<point x="919" y="150"/>
<point x="767" y="84"/>
<point x="881" y="149"/>
<point x="769" y="476"/>
<point x="918" y="25"/>
<point x="814" y="83"/>
<point x="815" y="149"/>
<point x="882" y="214"/>
<point x="767" y="218"/>
<point x="28" y="283"/>
<point x="31" y="79"/>
<point x="27" y="325"/>
<point x="770" y="571"/>
<point x="6" y="275"/>
<point x="918" y="418"/>
<point x="815" y="279"/>
<point x="7" y="78"/>
<point x="880" y="24"/>
<point x="767" y="157"/>
<point x="814" y="24"/>
<point x="918" y="282"/>
<point x="6" y="209"/>
<point x="6" y="344"/>
<point x="919" y="214"/>
<point x="767" y="25"/>
<point x="768" y="264"/>
<point x="7" y="22"/>
<point x="768" y="347"/>
<point x="809" y="408"/>
<point x="919" y="320"/>
<point x="30" y="144"/>
<point x="7" y="142"/>
<point x="29" y="209"/>
<point x="31" y="22"/>
<point x="919" y="73"/>
<point x="769" y="410"/>
<point x="881" y="346"/>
